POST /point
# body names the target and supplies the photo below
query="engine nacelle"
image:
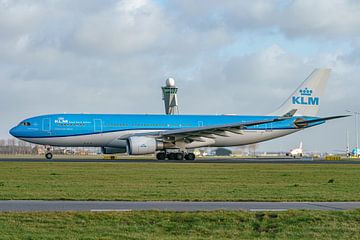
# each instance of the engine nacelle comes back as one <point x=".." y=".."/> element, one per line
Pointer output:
<point x="143" y="145"/>
<point x="112" y="150"/>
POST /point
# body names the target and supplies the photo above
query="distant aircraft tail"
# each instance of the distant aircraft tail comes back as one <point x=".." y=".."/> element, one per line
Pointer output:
<point x="307" y="97"/>
<point x="301" y="145"/>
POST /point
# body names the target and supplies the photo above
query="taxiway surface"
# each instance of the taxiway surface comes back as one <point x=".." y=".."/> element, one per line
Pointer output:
<point x="198" y="161"/>
<point x="102" y="206"/>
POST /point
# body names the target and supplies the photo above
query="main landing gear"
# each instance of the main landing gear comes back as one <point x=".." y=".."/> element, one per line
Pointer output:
<point x="175" y="156"/>
<point x="190" y="156"/>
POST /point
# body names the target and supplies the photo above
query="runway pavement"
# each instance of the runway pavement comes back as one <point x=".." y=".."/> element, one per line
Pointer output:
<point x="198" y="161"/>
<point x="102" y="206"/>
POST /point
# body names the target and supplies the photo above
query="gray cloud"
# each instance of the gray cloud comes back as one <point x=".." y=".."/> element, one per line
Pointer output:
<point x="335" y="18"/>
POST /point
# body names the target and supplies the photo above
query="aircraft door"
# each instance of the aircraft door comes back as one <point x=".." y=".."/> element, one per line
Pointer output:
<point x="97" y="125"/>
<point x="46" y="125"/>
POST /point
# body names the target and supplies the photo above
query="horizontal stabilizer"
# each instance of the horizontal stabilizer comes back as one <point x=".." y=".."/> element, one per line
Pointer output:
<point x="321" y="119"/>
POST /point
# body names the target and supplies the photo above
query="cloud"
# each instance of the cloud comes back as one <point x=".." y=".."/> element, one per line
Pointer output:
<point x="335" y="18"/>
<point x="241" y="57"/>
<point x="129" y="26"/>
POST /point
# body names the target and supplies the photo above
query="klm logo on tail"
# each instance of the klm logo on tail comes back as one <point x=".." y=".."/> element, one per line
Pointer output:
<point x="305" y="98"/>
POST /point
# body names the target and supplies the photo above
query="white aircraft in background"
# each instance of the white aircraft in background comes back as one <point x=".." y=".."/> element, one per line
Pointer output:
<point x="297" y="152"/>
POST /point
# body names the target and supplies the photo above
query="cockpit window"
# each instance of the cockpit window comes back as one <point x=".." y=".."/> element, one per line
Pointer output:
<point x="25" y="124"/>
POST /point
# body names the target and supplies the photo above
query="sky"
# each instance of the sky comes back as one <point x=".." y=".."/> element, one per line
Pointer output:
<point x="227" y="57"/>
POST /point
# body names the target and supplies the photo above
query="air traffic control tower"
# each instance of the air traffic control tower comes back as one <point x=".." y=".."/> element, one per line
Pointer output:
<point x="170" y="97"/>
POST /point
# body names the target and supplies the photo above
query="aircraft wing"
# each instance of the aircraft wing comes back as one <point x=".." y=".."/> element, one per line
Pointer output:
<point x="195" y="134"/>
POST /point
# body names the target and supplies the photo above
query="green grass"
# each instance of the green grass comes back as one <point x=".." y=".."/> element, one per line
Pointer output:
<point x="187" y="182"/>
<point x="175" y="225"/>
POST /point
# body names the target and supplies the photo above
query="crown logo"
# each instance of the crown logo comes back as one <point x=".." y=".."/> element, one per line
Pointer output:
<point x="306" y="92"/>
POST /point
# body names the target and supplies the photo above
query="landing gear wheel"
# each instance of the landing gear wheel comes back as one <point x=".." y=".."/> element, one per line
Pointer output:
<point x="48" y="156"/>
<point x="190" y="156"/>
<point x="171" y="156"/>
<point x="160" y="156"/>
<point x="179" y="156"/>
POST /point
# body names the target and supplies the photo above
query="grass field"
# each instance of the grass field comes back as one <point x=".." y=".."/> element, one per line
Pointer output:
<point x="188" y="182"/>
<point x="175" y="225"/>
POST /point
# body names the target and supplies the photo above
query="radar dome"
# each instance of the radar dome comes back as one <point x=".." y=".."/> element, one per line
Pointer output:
<point x="170" y="82"/>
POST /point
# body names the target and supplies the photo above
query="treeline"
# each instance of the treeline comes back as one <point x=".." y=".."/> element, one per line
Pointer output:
<point x="14" y="146"/>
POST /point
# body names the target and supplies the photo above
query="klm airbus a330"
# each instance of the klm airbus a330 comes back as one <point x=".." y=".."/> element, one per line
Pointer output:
<point x="174" y="136"/>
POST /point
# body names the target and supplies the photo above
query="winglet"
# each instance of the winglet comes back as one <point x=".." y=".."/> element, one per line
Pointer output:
<point x="289" y="114"/>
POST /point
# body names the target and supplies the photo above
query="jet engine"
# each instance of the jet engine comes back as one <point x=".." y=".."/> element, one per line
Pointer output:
<point x="112" y="150"/>
<point x="143" y="145"/>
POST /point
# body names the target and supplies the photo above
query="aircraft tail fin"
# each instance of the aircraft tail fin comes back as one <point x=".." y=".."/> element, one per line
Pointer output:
<point x="301" y="145"/>
<point x="307" y="97"/>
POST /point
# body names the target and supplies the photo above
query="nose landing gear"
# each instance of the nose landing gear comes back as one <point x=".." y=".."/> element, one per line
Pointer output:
<point x="48" y="154"/>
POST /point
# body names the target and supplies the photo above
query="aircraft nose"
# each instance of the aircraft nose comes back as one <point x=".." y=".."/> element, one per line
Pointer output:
<point x="13" y="131"/>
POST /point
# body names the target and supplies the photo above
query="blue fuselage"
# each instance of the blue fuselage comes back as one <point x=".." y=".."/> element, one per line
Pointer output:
<point x="68" y="127"/>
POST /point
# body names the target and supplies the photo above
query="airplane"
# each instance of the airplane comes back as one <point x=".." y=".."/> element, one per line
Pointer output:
<point x="296" y="152"/>
<point x="173" y="137"/>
